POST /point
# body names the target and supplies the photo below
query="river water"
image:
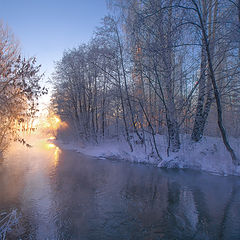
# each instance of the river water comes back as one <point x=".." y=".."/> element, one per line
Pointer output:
<point x="61" y="194"/>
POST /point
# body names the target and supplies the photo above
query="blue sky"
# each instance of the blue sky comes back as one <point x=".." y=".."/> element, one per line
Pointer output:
<point x="45" y="28"/>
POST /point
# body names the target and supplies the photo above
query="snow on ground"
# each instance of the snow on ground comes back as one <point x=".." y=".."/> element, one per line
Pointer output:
<point x="113" y="149"/>
<point x="208" y="155"/>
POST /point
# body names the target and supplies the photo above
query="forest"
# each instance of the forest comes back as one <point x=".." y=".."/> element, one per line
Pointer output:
<point x="155" y="68"/>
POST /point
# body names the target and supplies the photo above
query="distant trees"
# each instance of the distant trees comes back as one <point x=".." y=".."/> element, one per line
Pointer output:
<point x="156" y="67"/>
<point x="19" y="88"/>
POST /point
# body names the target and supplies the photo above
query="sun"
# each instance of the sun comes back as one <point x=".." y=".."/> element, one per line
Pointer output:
<point x="49" y="125"/>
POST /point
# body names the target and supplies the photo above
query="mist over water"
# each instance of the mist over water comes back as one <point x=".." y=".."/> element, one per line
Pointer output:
<point x="60" y="194"/>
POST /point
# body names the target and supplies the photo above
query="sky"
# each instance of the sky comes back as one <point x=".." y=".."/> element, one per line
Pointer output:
<point x="45" y="28"/>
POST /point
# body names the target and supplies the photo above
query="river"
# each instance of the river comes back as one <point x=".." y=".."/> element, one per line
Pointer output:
<point x="61" y="194"/>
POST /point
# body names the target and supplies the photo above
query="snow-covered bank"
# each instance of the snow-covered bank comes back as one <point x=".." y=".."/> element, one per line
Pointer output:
<point x="113" y="149"/>
<point x="208" y="155"/>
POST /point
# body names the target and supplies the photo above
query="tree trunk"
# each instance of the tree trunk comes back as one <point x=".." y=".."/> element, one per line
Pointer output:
<point x="199" y="122"/>
<point x="215" y="88"/>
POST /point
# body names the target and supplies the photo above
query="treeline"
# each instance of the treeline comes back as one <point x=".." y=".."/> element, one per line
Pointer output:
<point x="19" y="90"/>
<point x="155" y="67"/>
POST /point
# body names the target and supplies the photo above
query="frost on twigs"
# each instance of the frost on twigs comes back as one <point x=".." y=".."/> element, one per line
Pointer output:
<point x="7" y="222"/>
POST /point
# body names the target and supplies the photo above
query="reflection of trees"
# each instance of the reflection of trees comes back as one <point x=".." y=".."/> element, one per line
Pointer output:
<point x="229" y="225"/>
<point x="100" y="200"/>
<point x="165" y="208"/>
<point x="202" y="209"/>
<point x="88" y="198"/>
<point x="182" y="216"/>
<point x="146" y="199"/>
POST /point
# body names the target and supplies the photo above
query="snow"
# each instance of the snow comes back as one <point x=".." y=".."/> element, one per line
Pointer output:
<point x="208" y="155"/>
<point x="7" y="222"/>
<point x="112" y="149"/>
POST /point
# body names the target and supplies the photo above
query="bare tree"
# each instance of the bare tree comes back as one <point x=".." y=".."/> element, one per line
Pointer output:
<point x="19" y="89"/>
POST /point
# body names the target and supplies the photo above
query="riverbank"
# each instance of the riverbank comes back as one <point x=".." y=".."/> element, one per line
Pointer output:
<point x="208" y="155"/>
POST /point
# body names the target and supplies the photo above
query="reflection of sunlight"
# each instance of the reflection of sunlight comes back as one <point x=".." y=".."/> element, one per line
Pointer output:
<point x="57" y="152"/>
<point x="52" y="138"/>
<point x="50" y="145"/>
<point x="56" y="156"/>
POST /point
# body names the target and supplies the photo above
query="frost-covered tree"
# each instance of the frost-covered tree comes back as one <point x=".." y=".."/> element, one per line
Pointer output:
<point x="19" y="88"/>
<point x="155" y="67"/>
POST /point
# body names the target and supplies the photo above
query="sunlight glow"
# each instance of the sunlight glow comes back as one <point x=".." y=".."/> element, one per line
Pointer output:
<point x="56" y="156"/>
<point x="57" y="119"/>
<point x="56" y="153"/>
<point x="50" y="145"/>
<point x="55" y="122"/>
<point x="49" y="125"/>
<point x="52" y="138"/>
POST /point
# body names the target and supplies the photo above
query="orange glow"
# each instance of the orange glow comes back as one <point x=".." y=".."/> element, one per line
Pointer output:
<point x="55" y="122"/>
<point x="49" y="125"/>
<point x="50" y="145"/>
<point x="56" y="156"/>
<point x="57" y="119"/>
<point x="56" y="153"/>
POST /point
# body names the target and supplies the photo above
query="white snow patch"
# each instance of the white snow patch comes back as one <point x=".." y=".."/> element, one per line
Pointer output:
<point x="208" y="155"/>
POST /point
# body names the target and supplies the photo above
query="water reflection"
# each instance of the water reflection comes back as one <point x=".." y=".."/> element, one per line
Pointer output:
<point x="50" y="145"/>
<point x="65" y="195"/>
<point x="57" y="151"/>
